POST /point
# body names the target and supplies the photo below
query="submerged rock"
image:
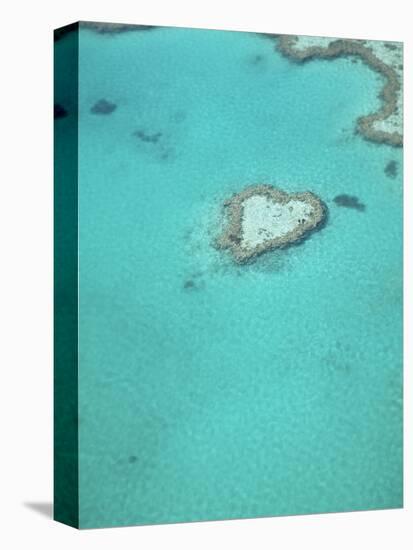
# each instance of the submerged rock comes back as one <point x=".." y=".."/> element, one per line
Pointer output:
<point x="103" y="107"/>
<point x="189" y="284"/>
<point x="262" y="217"/>
<point x="147" y="138"/>
<point x="391" y="169"/>
<point x="348" y="201"/>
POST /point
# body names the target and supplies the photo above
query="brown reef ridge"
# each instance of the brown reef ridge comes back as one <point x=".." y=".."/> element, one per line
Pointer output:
<point x="101" y="28"/>
<point x="350" y="47"/>
<point x="262" y="217"/>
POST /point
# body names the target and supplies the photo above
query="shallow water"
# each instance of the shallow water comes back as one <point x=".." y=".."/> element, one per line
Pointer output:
<point x="210" y="390"/>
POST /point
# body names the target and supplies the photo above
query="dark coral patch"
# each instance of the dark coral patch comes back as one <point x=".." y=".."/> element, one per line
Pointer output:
<point x="391" y="169"/>
<point x="235" y="239"/>
<point x="147" y="138"/>
<point x="257" y="59"/>
<point x="60" y="111"/>
<point x="349" y="201"/>
<point x="103" y="107"/>
<point x="189" y="285"/>
<point x="194" y="282"/>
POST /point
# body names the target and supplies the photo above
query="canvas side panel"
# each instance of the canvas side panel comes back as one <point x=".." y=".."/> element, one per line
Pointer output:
<point x="66" y="469"/>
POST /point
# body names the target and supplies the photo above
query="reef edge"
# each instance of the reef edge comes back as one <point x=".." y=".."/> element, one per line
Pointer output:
<point x="231" y="236"/>
<point x="349" y="47"/>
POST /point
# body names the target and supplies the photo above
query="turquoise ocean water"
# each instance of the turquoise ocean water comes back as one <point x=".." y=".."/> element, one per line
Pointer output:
<point x="209" y="390"/>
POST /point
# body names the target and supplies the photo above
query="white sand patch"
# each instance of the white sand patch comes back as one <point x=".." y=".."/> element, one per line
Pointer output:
<point x="304" y="42"/>
<point x="265" y="220"/>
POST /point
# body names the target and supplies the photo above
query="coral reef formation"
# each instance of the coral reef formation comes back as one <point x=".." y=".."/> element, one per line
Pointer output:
<point x="101" y="28"/>
<point x="113" y="28"/>
<point x="386" y="124"/>
<point x="262" y="217"/>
